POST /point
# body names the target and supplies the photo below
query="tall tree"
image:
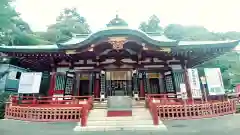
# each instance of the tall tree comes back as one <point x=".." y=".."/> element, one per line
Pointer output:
<point x="69" y="22"/>
<point x="7" y="14"/>
<point x="180" y="32"/>
<point x="152" y="25"/>
<point x="13" y="30"/>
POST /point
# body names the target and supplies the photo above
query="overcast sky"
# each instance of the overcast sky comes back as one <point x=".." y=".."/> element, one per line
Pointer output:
<point x="216" y="15"/>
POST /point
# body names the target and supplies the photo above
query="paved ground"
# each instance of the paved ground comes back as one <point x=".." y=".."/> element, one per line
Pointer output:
<point x="226" y="125"/>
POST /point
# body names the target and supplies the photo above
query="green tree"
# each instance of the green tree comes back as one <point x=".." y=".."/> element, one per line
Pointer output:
<point x="7" y="14"/>
<point x="152" y="25"/>
<point x="190" y="33"/>
<point x="229" y="65"/>
<point x="13" y="30"/>
<point x="69" y="22"/>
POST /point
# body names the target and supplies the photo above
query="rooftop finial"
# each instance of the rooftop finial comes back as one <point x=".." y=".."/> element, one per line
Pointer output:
<point x="117" y="16"/>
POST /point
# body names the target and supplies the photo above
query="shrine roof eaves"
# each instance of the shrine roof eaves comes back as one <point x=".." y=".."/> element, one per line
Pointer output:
<point x="148" y="38"/>
<point x="181" y="45"/>
<point x="156" y="39"/>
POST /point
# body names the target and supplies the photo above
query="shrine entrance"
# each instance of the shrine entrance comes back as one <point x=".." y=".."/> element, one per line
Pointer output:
<point x="119" y="83"/>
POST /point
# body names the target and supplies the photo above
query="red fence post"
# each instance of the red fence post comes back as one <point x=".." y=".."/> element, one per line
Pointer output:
<point x="84" y="114"/>
<point x="155" y="114"/>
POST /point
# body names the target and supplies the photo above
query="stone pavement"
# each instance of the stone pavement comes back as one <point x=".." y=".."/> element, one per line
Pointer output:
<point x="226" y="125"/>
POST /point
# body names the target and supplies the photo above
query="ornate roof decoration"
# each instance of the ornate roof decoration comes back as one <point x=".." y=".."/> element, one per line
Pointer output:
<point x="117" y="22"/>
<point x="117" y="42"/>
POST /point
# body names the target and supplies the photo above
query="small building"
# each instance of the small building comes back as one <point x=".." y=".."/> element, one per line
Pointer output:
<point x="10" y="76"/>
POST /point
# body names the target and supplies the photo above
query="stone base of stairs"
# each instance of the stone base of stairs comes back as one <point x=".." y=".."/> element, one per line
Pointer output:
<point x="122" y="128"/>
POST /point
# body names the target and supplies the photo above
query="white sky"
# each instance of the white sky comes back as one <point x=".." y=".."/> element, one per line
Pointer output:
<point x="216" y="15"/>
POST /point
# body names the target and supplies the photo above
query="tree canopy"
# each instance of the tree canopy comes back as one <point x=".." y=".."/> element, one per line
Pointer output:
<point x="67" y="23"/>
<point x="152" y="25"/>
<point x="13" y="30"/>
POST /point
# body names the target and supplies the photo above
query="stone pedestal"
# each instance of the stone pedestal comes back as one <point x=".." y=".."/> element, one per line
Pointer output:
<point x="119" y="106"/>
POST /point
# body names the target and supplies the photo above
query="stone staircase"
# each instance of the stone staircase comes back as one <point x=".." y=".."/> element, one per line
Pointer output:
<point x="100" y="105"/>
<point x="140" y="120"/>
<point x="103" y="104"/>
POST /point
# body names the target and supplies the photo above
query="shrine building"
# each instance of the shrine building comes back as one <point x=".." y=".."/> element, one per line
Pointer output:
<point x="115" y="61"/>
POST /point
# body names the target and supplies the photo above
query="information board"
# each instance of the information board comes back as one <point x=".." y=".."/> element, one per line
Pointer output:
<point x="214" y="81"/>
<point x="183" y="91"/>
<point x="194" y="83"/>
<point x="30" y="82"/>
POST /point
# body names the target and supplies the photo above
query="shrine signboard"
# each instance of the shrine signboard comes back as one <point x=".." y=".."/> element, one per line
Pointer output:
<point x="214" y="81"/>
<point x="30" y="82"/>
<point x="194" y="83"/>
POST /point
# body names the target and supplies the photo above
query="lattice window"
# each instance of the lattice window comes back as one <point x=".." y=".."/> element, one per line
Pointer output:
<point x="60" y="82"/>
<point x="103" y="82"/>
<point x="169" y="83"/>
<point x="146" y="82"/>
<point x="69" y="86"/>
<point x="178" y="79"/>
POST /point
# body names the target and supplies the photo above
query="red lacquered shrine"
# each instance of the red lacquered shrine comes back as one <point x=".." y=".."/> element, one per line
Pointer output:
<point x="116" y="61"/>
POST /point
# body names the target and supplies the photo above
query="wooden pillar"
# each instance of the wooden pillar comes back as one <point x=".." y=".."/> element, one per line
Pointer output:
<point x="77" y="84"/>
<point x="91" y="84"/>
<point x="186" y="79"/>
<point x="52" y="83"/>
<point x="96" y="86"/>
<point x="141" y="83"/>
<point x="142" y="92"/>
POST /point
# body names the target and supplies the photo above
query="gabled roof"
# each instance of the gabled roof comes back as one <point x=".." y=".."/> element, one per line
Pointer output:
<point x="80" y="40"/>
<point x="155" y="39"/>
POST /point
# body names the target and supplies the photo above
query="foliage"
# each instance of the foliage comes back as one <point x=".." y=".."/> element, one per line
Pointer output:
<point x="229" y="65"/>
<point x="3" y="98"/>
<point x="13" y="30"/>
<point x="152" y="25"/>
<point x="69" y="22"/>
<point x="190" y="33"/>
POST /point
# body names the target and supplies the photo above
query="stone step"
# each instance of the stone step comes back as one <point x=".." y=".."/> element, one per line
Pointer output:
<point x="137" y="106"/>
<point x="99" y="107"/>
<point x="122" y="128"/>
<point x="140" y="110"/>
<point x="119" y="123"/>
<point x="119" y="119"/>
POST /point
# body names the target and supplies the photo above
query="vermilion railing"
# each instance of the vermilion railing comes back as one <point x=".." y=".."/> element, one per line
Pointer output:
<point x="165" y="108"/>
<point x="64" y="108"/>
<point x="43" y="114"/>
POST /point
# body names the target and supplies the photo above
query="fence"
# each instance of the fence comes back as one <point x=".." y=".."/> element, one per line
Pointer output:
<point x="173" y="108"/>
<point x="49" y="109"/>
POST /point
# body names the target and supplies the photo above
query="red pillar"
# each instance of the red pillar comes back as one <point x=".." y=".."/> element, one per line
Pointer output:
<point x="142" y="92"/>
<point x="188" y="88"/>
<point x="96" y="88"/>
<point x="52" y="84"/>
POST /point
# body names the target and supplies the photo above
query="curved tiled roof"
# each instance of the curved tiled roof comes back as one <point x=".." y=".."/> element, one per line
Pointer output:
<point x="148" y="38"/>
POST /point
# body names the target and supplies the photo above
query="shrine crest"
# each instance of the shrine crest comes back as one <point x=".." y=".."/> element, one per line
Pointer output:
<point x="117" y="42"/>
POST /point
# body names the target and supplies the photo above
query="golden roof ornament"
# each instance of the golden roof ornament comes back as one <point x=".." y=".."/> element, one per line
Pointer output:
<point x="117" y="42"/>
